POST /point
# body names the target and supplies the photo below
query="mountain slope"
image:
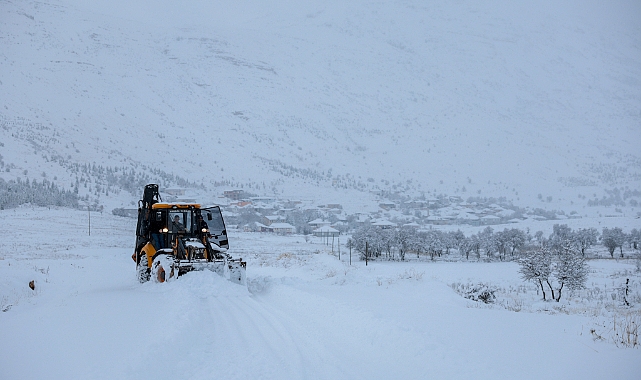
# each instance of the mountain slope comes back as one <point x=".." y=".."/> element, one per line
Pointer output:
<point x="493" y="100"/>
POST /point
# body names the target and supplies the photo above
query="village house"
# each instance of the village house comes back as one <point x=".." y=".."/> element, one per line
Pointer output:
<point x="438" y="220"/>
<point x="384" y="224"/>
<point x="317" y="223"/>
<point x="255" y="227"/>
<point x="263" y="199"/>
<point x="270" y="219"/>
<point x="387" y="206"/>
<point x="281" y="228"/>
<point x="490" y="219"/>
<point x="417" y="205"/>
<point x="326" y="231"/>
<point x="234" y="194"/>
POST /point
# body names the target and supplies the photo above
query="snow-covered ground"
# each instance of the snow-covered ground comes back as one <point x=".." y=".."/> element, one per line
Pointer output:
<point x="324" y="102"/>
<point x="303" y="314"/>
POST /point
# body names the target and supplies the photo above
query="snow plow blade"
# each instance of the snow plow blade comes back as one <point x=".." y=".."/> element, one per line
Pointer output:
<point x="232" y="270"/>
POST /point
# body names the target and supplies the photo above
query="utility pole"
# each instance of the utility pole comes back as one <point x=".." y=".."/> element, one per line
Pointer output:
<point x="366" y="254"/>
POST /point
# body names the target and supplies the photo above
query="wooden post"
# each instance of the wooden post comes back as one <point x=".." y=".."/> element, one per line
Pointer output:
<point x="332" y="243"/>
<point x="366" y="255"/>
<point x="339" y="248"/>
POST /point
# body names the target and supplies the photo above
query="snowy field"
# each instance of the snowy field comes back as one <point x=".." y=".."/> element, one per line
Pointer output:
<point x="303" y="314"/>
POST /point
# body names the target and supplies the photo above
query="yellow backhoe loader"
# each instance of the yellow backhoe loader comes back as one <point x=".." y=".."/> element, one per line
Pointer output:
<point x="175" y="238"/>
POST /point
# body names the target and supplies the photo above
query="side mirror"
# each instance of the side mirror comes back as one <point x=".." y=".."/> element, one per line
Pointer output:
<point x="209" y="216"/>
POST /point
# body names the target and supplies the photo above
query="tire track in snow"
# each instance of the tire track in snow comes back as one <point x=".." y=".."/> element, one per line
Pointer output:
<point x="348" y="342"/>
<point x="260" y="341"/>
<point x="222" y="332"/>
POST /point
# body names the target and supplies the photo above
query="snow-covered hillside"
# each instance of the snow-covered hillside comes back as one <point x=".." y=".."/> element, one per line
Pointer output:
<point x="326" y="99"/>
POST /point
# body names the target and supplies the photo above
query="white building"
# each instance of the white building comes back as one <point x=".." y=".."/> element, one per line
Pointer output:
<point x="326" y="231"/>
<point x="281" y="228"/>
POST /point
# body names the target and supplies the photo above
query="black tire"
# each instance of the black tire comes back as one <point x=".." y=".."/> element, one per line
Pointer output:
<point x="162" y="269"/>
<point x="142" y="270"/>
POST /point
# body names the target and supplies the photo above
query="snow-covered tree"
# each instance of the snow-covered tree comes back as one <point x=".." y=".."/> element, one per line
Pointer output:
<point x="570" y="270"/>
<point x="536" y="265"/>
<point x="387" y="241"/>
<point x="585" y="238"/>
<point x="561" y="235"/>
<point x="403" y="240"/>
<point x="620" y="237"/>
<point x="465" y="247"/>
<point x="476" y="245"/>
<point x="613" y="238"/>
<point x="540" y="239"/>
<point x="449" y="241"/>
<point x="487" y="241"/>
<point x="416" y="244"/>
<point x="368" y="237"/>
<point x="458" y="237"/>
<point x="432" y="243"/>
<point x="635" y="238"/>
<point x="565" y="265"/>
<point x="500" y="241"/>
<point x="515" y="240"/>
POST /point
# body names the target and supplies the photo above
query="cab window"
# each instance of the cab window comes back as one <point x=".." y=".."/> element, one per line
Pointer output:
<point x="179" y="220"/>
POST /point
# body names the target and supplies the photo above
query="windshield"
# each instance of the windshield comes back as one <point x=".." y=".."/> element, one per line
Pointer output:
<point x="180" y="221"/>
